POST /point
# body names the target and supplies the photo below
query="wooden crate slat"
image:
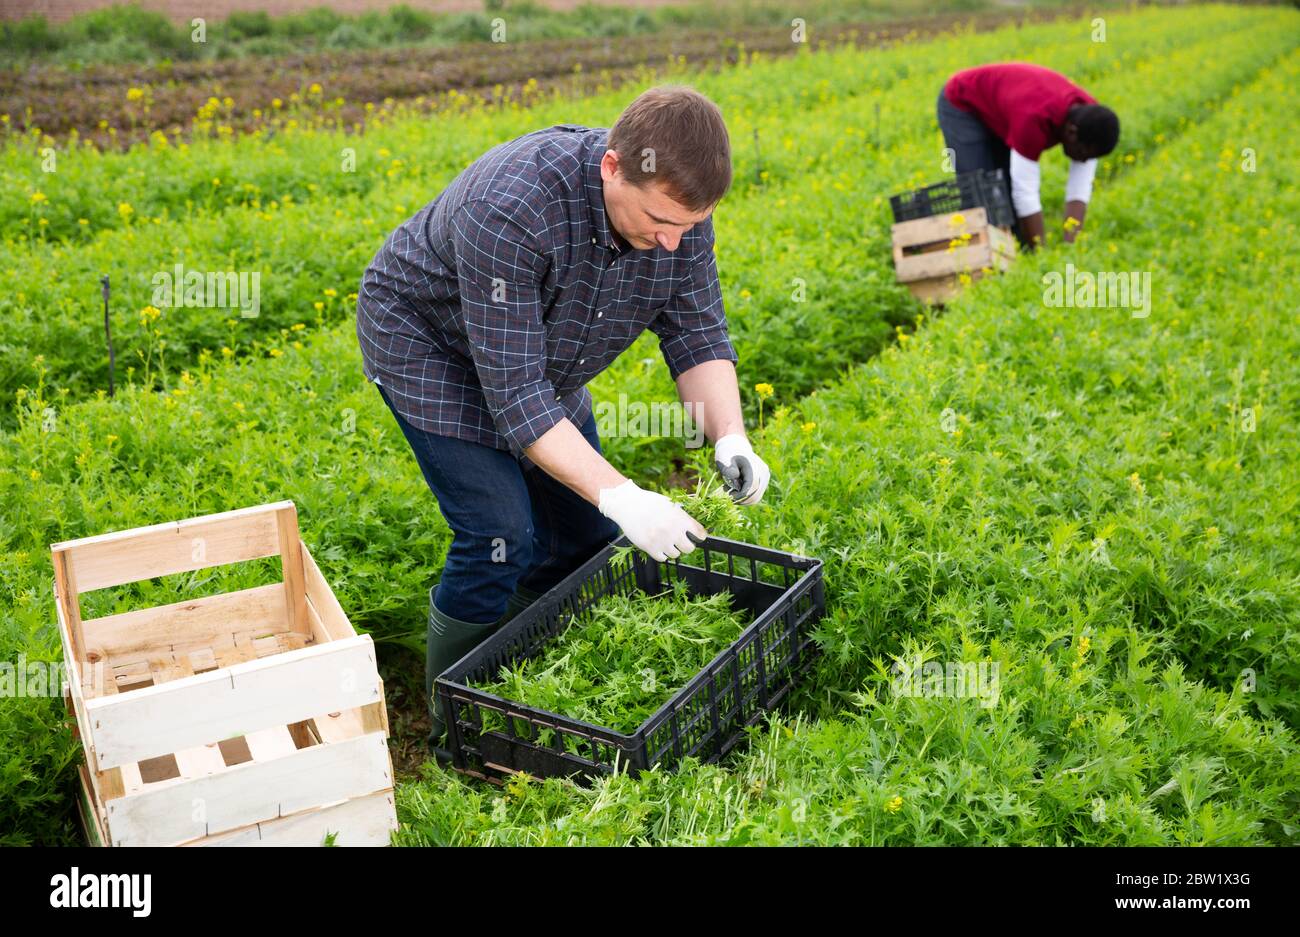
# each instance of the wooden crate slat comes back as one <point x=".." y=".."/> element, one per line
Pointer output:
<point x="291" y="566"/>
<point x="67" y="605"/>
<point x="331" y="614"/>
<point x="252" y="792"/>
<point x="266" y="744"/>
<point x="176" y="547"/>
<point x="199" y="761"/>
<point x="195" y="622"/>
<point x="938" y="227"/>
<point x="92" y="819"/>
<point x="362" y="821"/>
<point x="233" y="701"/>
<point x="962" y="260"/>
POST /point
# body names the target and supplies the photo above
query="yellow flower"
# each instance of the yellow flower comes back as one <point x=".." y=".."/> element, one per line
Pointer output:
<point x="894" y="805"/>
<point x="216" y="182"/>
<point x="38" y="197"/>
<point x="83" y="222"/>
<point x="239" y="405"/>
<point x="319" y="306"/>
<point x="298" y="327"/>
<point x="331" y="293"/>
<point x="112" y="438"/>
<point x="276" y="353"/>
<point x="125" y="210"/>
<point x="315" y="88"/>
<point x="226" y="352"/>
<point x="808" y="427"/>
<point x="1135" y="482"/>
<point x="36" y="473"/>
<point x="134" y="94"/>
<point x="1071" y="223"/>
<point x="1211" y="533"/>
<point x="276" y="103"/>
<point x="764" y="391"/>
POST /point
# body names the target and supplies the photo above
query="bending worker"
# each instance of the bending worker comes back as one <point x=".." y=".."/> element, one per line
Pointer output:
<point x="483" y="317"/>
<point x="1004" y="116"/>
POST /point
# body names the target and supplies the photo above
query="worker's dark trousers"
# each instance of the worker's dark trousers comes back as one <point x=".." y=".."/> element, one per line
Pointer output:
<point x="511" y="525"/>
<point x="974" y="146"/>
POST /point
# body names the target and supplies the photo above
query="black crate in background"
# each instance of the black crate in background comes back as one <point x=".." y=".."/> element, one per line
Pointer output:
<point x="979" y="188"/>
<point x="490" y="737"/>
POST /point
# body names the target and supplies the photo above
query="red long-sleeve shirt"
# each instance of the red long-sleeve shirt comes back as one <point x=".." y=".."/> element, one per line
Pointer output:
<point x="1024" y="105"/>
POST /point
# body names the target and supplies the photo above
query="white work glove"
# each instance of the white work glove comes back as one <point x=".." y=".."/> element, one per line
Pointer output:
<point x="651" y="521"/>
<point x="746" y="474"/>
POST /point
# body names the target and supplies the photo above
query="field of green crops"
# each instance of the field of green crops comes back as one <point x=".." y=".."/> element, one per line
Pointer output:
<point x="1103" y="505"/>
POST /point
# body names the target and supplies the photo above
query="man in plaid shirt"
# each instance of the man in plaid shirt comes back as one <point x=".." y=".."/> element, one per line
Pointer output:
<point x="483" y="317"/>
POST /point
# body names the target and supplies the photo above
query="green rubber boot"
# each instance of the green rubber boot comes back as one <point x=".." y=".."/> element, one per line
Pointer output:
<point x="449" y="639"/>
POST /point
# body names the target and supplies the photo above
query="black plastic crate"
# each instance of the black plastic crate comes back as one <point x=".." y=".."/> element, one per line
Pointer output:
<point x="980" y="188"/>
<point x="490" y="737"/>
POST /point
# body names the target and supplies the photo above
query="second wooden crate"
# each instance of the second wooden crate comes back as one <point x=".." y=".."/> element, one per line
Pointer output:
<point x="931" y="255"/>
<point x="242" y="717"/>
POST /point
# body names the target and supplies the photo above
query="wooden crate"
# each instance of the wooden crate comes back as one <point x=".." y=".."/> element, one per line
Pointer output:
<point x="930" y="257"/>
<point x="238" y="718"/>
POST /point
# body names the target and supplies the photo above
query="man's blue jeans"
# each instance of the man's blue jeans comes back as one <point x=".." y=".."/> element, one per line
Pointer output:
<point x="511" y="525"/>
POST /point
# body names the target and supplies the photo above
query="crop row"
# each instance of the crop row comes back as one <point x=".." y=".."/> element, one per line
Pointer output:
<point x="840" y="258"/>
<point x="96" y="103"/>
<point x="168" y="181"/>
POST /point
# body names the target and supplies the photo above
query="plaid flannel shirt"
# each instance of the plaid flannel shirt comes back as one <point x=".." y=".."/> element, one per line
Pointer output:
<point x="486" y="313"/>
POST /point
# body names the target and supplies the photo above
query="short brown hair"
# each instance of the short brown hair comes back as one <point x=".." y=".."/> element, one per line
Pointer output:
<point x="675" y="135"/>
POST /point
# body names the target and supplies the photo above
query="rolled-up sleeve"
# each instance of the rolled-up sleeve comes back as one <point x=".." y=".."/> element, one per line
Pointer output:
<point x="692" y="328"/>
<point x="500" y="270"/>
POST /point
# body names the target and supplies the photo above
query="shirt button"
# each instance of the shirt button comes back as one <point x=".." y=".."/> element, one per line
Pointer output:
<point x="582" y="361"/>
<point x="599" y="315"/>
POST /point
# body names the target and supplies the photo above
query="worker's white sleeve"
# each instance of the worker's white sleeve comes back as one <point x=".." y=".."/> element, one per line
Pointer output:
<point x="1024" y="185"/>
<point x="1078" y="185"/>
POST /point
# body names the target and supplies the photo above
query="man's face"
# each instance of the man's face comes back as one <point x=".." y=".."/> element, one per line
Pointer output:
<point x="1079" y="152"/>
<point x="644" y="215"/>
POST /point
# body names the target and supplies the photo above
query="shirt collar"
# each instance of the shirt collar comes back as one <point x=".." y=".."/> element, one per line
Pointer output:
<point x="602" y="232"/>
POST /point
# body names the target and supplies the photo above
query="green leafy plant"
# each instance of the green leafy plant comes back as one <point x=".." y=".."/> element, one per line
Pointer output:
<point x="625" y="657"/>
